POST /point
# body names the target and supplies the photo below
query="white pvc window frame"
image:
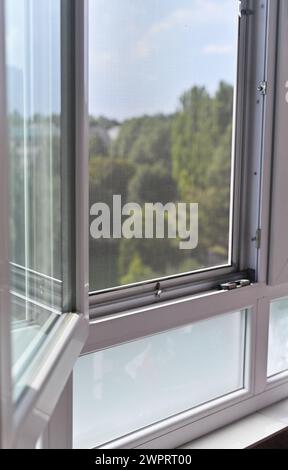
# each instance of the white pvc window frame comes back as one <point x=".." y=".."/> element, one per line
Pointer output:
<point x="261" y="160"/>
<point x="123" y="320"/>
<point x="261" y="163"/>
<point x="5" y="343"/>
<point x="243" y="229"/>
<point x="23" y="422"/>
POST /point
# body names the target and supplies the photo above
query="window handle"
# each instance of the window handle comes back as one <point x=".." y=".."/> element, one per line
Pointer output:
<point x="227" y="286"/>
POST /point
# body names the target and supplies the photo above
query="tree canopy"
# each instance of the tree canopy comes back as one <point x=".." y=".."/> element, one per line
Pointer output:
<point x="182" y="157"/>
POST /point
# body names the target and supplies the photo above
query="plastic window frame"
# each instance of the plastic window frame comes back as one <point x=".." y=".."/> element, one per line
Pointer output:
<point x="23" y="422"/>
<point x="244" y="252"/>
<point x="139" y="321"/>
<point x="120" y="326"/>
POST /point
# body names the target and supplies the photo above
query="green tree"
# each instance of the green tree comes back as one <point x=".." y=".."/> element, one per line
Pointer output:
<point x="137" y="271"/>
<point x="152" y="183"/>
<point x="184" y="157"/>
<point x="145" y="140"/>
<point x="201" y="154"/>
<point x="109" y="177"/>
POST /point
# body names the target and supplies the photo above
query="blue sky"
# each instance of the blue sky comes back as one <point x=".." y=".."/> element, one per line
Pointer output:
<point x="33" y="59"/>
<point x="143" y="53"/>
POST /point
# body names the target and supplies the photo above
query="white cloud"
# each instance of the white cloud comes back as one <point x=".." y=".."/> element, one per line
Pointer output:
<point x="178" y="17"/>
<point x="218" y="49"/>
<point x="208" y="12"/>
<point x="144" y="47"/>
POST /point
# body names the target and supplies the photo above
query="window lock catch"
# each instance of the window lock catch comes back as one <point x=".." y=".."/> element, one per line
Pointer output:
<point x="262" y="88"/>
<point x="158" y="291"/>
<point x="257" y="238"/>
<point x="228" y="286"/>
<point x="244" y="12"/>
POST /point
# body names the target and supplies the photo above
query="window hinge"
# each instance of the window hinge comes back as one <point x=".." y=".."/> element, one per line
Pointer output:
<point x="244" y="12"/>
<point x="227" y="286"/>
<point x="257" y="238"/>
<point x="262" y="88"/>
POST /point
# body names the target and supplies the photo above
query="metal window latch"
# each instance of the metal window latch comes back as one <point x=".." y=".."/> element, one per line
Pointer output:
<point x="257" y="238"/>
<point x="227" y="286"/>
<point x="244" y="11"/>
<point x="262" y="88"/>
<point x="158" y="290"/>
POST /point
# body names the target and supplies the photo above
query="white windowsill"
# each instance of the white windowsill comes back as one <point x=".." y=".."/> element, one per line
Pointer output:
<point x="246" y="432"/>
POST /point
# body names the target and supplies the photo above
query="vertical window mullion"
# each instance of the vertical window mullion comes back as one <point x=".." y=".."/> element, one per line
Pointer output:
<point x="82" y="158"/>
<point x="75" y="201"/>
<point x="5" y="327"/>
<point x="278" y="263"/>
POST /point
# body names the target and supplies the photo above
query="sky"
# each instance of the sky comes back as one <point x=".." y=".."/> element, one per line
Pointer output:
<point x="143" y="54"/>
<point x="33" y="56"/>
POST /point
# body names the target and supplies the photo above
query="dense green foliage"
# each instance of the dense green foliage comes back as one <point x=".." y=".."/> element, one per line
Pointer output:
<point x="183" y="157"/>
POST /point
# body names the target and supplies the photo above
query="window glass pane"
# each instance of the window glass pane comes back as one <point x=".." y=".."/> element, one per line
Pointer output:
<point x="120" y="390"/>
<point x="278" y="337"/>
<point x="33" y="80"/>
<point x="162" y="75"/>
